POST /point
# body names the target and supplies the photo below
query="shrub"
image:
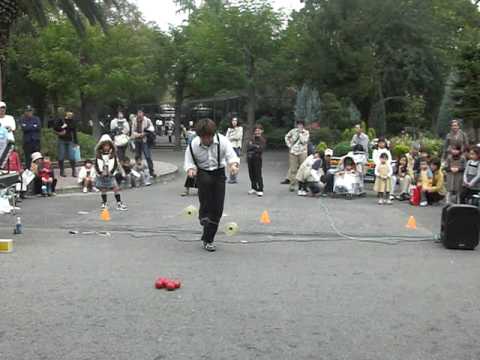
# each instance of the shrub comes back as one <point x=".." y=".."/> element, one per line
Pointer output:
<point x="276" y="138"/>
<point x="49" y="144"/>
<point x="399" y="150"/>
<point x="325" y="135"/>
<point x="342" y="148"/>
<point x="267" y="123"/>
<point x="321" y="147"/>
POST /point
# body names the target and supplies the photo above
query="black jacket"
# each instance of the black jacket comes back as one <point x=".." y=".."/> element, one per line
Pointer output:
<point x="70" y="130"/>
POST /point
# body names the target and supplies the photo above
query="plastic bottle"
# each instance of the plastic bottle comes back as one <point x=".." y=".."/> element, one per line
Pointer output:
<point x="18" y="226"/>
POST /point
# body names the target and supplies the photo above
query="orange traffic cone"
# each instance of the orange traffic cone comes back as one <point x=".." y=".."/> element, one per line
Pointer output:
<point x="265" y="218"/>
<point x="105" y="215"/>
<point x="412" y="223"/>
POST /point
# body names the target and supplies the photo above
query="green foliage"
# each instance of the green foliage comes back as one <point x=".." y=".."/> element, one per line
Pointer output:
<point x="415" y="109"/>
<point x="49" y="144"/>
<point x="402" y="144"/>
<point x="342" y="148"/>
<point x="321" y="147"/>
<point x="267" y="123"/>
<point x="325" y="135"/>
<point x="467" y="88"/>
<point x="276" y="139"/>
<point x="432" y="146"/>
<point x="348" y="133"/>
<point x="399" y="150"/>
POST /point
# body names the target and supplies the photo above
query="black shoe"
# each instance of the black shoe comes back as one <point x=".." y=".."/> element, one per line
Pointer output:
<point x="285" y="182"/>
<point x="62" y="173"/>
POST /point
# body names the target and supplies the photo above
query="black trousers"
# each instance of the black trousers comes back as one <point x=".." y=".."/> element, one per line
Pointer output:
<point x="255" y="173"/>
<point x="211" y="193"/>
<point x="28" y="149"/>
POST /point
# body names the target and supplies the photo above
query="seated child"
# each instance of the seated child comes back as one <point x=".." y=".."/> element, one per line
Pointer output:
<point x="471" y="176"/>
<point x="45" y="173"/>
<point x="124" y="175"/>
<point x="432" y="183"/>
<point x="402" y="176"/>
<point x="347" y="179"/>
<point x="86" y="176"/>
<point x="454" y="167"/>
<point x="383" y="179"/>
<point x="140" y="174"/>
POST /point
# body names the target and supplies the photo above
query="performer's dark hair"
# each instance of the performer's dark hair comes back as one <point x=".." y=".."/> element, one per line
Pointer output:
<point x="206" y="127"/>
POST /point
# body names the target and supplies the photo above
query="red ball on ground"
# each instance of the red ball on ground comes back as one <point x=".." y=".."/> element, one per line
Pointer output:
<point x="161" y="283"/>
<point x="170" y="286"/>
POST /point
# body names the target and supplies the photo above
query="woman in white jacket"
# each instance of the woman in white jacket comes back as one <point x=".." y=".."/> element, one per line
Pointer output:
<point x="235" y="136"/>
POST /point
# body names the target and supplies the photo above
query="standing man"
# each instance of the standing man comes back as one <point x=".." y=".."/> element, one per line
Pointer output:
<point x="360" y="138"/>
<point x="297" y="141"/>
<point x="235" y="136"/>
<point x="206" y="157"/>
<point x="66" y="131"/>
<point x="142" y="132"/>
<point x="7" y="122"/>
<point x="455" y="137"/>
<point x="32" y="127"/>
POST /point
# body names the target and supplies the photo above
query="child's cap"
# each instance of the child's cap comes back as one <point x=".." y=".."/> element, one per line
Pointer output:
<point x="328" y="152"/>
<point x="36" y="156"/>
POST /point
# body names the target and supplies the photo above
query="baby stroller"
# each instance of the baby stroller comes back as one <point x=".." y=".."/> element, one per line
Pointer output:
<point x="348" y="179"/>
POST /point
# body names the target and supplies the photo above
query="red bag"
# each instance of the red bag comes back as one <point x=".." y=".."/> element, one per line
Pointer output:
<point x="415" y="195"/>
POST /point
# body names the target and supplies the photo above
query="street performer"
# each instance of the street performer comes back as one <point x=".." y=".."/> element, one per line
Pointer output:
<point x="206" y="157"/>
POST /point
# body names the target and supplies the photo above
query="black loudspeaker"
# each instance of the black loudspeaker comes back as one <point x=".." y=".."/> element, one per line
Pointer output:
<point x="460" y="227"/>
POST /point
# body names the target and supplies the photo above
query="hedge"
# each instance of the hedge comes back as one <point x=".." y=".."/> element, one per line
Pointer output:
<point x="49" y="144"/>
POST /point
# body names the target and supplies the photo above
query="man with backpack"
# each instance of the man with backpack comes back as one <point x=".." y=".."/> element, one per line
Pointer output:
<point x="297" y="141"/>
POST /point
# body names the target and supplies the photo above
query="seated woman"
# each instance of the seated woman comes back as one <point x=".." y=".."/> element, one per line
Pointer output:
<point x="433" y="189"/>
<point x="44" y="182"/>
<point x="347" y="179"/>
<point x="309" y="174"/>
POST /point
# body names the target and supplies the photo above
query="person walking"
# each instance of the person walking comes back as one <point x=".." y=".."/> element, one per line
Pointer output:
<point x="254" y="160"/>
<point x="67" y="142"/>
<point x="31" y="127"/>
<point x="120" y="130"/>
<point x="142" y="132"/>
<point x="455" y="136"/>
<point x="297" y="141"/>
<point x="206" y="158"/>
<point x="235" y="136"/>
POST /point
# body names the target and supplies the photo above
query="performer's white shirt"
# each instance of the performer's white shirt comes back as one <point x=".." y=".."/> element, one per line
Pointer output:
<point x="206" y="156"/>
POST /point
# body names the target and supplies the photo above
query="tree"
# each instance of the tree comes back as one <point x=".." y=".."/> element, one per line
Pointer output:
<point x="445" y="113"/>
<point x="308" y="105"/>
<point x="11" y="10"/>
<point x="467" y="88"/>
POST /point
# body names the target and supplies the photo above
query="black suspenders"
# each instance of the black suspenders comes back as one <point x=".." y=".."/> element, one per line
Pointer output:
<point x="218" y="153"/>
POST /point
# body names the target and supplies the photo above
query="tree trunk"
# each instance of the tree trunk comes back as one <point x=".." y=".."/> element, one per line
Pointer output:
<point x="251" y="96"/>
<point x="179" y="95"/>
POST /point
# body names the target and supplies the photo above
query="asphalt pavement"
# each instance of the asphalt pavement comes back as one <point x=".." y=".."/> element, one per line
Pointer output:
<point x="294" y="289"/>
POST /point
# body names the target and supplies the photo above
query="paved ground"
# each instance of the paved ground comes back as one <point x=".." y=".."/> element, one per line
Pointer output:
<point x="288" y="293"/>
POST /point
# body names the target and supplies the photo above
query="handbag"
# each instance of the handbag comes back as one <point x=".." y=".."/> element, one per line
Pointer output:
<point x="121" y="140"/>
<point x="75" y="154"/>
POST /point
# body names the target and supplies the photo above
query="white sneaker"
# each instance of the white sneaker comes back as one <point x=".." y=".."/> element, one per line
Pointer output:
<point x="380" y="201"/>
<point x="424" y="203"/>
<point x="259" y="193"/>
<point x="301" y="193"/>
<point x="388" y="202"/>
<point x="252" y="192"/>
<point x="85" y="190"/>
